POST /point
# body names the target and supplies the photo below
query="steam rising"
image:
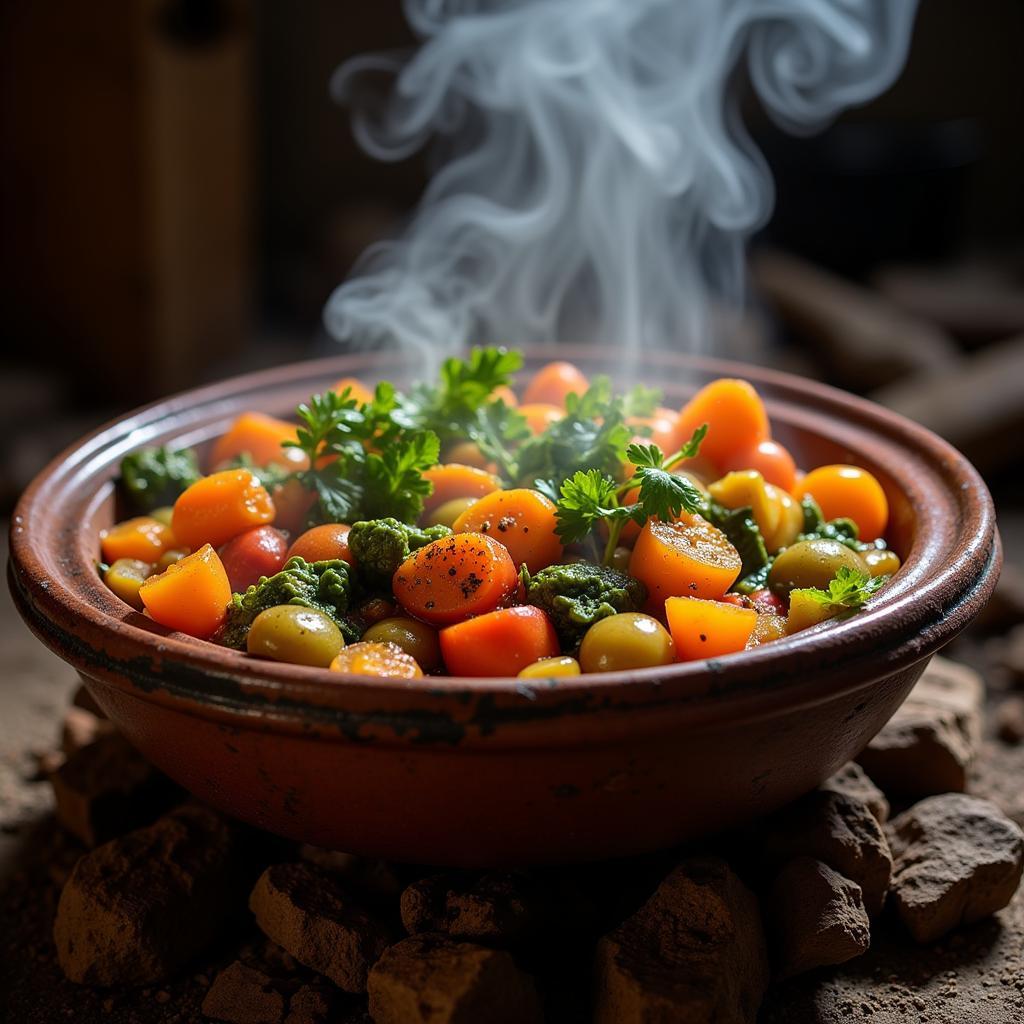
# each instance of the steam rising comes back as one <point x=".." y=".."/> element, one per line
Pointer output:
<point x="594" y="179"/>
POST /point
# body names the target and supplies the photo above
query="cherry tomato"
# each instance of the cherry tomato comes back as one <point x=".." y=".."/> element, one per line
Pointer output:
<point x="261" y="551"/>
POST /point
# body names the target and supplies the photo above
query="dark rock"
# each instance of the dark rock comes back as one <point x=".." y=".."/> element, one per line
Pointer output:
<point x="312" y="1004"/>
<point x="957" y="859"/>
<point x="81" y="728"/>
<point x="853" y="781"/>
<point x="693" y="952"/>
<point x="1005" y="608"/>
<point x="317" y="921"/>
<point x="928" y="745"/>
<point x="817" y="917"/>
<point x="242" y="995"/>
<point x="1011" y="654"/>
<point x="1010" y="720"/>
<point x="494" y="908"/>
<point x="107" y="788"/>
<point x="838" y="830"/>
<point x="138" y="907"/>
<point x="432" y="979"/>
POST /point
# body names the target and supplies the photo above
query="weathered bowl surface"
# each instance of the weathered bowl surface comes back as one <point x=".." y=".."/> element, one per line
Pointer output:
<point x="483" y="772"/>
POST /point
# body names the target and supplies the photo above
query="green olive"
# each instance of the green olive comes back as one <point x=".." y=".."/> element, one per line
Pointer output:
<point x="125" y="577"/>
<point x="626" y="640"/>
<point x="811" y="563"/>
<point x="415" y="638"/>
<point x="301" y="636"/>
<point x="620" y="558"/>
<point x="164" y="514"/>
<point x="446" y="513"/>
<point x="881" y="562"/>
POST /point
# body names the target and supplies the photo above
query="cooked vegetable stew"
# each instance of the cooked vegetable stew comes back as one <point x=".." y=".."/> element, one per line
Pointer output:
<point x="454" y="529"/>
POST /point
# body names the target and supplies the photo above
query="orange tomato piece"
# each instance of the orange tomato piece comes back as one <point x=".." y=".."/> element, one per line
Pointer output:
<point x="848" y="492"/>
<point x="261" y="436"/>
<point x="735" y="416"/>
<point x="190" y="595"/>
<point x="707" y="629"/>
<point x="356" y="389"/>
<point x="467" y="453"/>
<point x="551" y="383"/>
<point x="322" y="543"/>
<point x="500" y="643"/>
<point x="686" y="557"/>
<point x="292" y="503"/>
<point x="455" y="578"/>
<point x="143" y="538"/>
<point x="523" y="520"/>
<point x="453" y="480"/>
<point x="664" y="427"/>
<point x="377" y="658"/>
<point x="220" y="506"/>
<point x="506" y="394"/>
<point x="540" y="415"/>
<point x="770" y="459"/>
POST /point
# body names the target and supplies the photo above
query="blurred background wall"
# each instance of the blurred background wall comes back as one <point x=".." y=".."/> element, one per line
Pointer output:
<point x="179" y="195"/>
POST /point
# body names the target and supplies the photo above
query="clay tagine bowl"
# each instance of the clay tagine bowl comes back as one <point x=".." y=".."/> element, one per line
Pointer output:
<point x="487" y="772"/>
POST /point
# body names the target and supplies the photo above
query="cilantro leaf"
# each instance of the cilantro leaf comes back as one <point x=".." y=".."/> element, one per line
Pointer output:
<point x="592" y="435"/>
<point x="847" y="592"/>
<point x="587" y="498"/>
<point x="393" y="481"/>
<point x="641" y="401"/>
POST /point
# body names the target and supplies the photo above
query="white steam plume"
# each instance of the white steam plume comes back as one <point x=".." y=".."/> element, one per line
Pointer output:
<point x="594" y="179"/>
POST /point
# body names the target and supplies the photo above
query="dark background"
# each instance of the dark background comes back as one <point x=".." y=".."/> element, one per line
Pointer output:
<point x="179" y="195"/>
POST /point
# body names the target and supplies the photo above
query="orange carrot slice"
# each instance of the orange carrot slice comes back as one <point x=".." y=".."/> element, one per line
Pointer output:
<point x="551" y="383"/>
<point x="707" y="629"/>
<point x="735" y="416"/>
<point x="220" y="506"/>
<point x="191" y="595"/>
<point x="687" y="557"/>
<point x="453" y="480"/>
<point x="143" y="538"/>
<point x="523" y="520"/>
<point x="848" y="492"/>
<point x="261" y="436"/>
<point x="500" y="643"/>
<point x="454" y="578"/>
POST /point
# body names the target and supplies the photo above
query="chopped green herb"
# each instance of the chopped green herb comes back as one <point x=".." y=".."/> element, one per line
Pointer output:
<point x="848" y="592"/>
<point x="152" y="477"/>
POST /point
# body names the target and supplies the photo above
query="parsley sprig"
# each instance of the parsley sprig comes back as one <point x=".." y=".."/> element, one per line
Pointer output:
<point x="363" y="464"/>
<point x="462" y="405"/>
<point x="592" y="496"/>
<point x="849" y="591"/>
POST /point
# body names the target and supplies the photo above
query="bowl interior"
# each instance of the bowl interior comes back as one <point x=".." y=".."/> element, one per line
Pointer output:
<point x="941" y="524"/>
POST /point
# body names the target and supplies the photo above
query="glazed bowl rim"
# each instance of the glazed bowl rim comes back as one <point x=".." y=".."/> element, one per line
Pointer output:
<point x="915" y="620"/>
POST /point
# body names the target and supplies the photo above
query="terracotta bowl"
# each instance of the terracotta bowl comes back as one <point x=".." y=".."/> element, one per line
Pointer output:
<point x="486" y="772"/>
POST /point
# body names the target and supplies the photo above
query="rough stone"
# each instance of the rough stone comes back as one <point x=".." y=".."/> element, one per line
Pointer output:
<point x="1011" y="655"/>
<point x="853" y="781"/>
<point x="1005" y="608"/>
<point x="312" y="1004"/>
<point x="817" y="917"/>
<point x="1009" y="720"/>
<point x="694" y="952"/>
<point x="928" y="745"/>
<point x="432" y="979"/>
<point x="80" y="728"/>
<point x="839" y="830"/>
<point x="136" y="908"/>
<point x="496" y="907"/>
<point x="107" y="788"/>
<point x="957" y="859"/>
<point x="311" y="916"/>
<point x="243" y="995"/>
